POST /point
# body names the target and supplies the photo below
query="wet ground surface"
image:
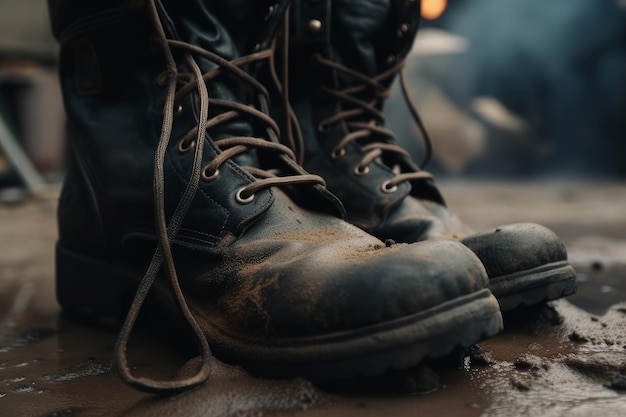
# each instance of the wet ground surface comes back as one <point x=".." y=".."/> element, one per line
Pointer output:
<point x="565" y="358"/>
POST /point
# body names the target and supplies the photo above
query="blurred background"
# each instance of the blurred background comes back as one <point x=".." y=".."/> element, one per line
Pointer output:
<point x="520" y="88"/>
<point x="507" y="89"/>
<point x="32" y="120"/>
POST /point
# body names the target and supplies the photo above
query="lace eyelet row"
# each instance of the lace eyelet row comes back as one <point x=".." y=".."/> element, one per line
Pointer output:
<point x="239" y="197"/>
<point x="364" y="170"/>
<point x="206" y="176"/>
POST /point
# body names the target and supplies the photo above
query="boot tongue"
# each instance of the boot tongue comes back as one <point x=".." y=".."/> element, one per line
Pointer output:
<point x="370" y="36"/>
<point x="355" y="36"/>
<point x="231" y="29"/>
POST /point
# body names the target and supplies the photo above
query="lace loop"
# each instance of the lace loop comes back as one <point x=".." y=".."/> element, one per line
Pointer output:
<point x="178" y="86"/>
<point x="162" y="258"/>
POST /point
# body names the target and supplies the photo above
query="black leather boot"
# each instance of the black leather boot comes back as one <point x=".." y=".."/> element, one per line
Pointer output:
<point x="343" y="57"/>
<point x="167" y="207"/>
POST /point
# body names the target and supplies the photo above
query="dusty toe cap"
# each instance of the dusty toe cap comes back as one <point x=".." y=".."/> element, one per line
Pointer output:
<point x="516" y="247"/>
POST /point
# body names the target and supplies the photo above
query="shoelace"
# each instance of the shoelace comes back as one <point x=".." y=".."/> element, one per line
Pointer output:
<point x="361" y="101"/>
<point x="179" y="85"/>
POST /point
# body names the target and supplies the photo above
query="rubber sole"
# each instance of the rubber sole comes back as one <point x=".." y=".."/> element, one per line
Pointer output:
<point x="534" y="286"/>
<point x="399" y="344"/>
<point x="99" y="292"/>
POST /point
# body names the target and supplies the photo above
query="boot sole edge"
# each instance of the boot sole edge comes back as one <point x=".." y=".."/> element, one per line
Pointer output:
<point x="533" y="286"/>
<point x="373" y="352"/>
<point x="87" y="293"/>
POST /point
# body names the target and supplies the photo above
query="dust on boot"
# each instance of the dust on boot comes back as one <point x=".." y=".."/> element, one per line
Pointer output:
<point x="343" y="57"/>
<point x="167" y="208"/>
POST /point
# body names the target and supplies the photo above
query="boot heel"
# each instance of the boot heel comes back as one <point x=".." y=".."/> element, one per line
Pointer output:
<point x="87" y="288"/>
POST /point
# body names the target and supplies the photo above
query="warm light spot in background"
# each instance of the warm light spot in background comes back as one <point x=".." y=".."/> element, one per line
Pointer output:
<point x="432" y="9"/>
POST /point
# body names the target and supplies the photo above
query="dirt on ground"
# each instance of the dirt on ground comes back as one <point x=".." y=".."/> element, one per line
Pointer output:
<point x="563" y="358"/>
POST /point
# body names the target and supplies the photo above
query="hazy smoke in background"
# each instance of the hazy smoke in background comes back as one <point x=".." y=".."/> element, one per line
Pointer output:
<point x="558" y="65"/>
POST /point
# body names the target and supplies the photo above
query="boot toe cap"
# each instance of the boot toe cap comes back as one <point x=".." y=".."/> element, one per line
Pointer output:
<point x="378" y="286"/>
<point x="516" y="247"/>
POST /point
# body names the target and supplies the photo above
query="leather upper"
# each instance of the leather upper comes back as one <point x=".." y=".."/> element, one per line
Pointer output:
<point x="277" y="266"/>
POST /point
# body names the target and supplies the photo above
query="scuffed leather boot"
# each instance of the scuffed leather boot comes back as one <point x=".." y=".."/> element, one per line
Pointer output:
<point x="166" y="207"/>
<point x="343" y="57"/>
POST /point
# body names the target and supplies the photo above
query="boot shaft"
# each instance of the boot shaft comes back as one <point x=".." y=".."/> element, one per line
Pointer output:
<point x="221" y="24"/>
<point x="369" y="36"/>
<point x="344" y="55"/>
<point x="374" y="35"/>
<point x="114" y="76"/>
<point x="107" y="47"/>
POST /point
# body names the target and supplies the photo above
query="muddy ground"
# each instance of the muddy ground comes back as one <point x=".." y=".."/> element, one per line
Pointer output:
<point x="565" y="358"/>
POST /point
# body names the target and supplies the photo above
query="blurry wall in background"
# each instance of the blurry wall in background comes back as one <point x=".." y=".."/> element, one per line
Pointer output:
<point x="25" y="30"/>
<point x="30" y="99"/>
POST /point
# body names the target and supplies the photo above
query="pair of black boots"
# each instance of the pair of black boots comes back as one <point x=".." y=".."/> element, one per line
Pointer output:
<point x="185" y="197"/>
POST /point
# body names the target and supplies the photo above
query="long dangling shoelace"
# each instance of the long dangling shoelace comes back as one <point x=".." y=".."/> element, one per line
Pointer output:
<point x="380" y="140"/>
<point x="179" y="85"/>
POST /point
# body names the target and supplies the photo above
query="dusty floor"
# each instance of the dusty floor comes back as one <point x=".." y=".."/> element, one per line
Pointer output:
<point x="568" y="358"/>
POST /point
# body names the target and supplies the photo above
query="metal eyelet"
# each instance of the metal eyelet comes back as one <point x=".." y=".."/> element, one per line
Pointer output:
<point x="314" y="26"/>
<point x="209" y="177"/>
<point x="403" y="29"/>
<point x="185" y="146"/>
<point x="162" y="79"/>
<point x="155" y="43"/>
<point x="338" y="153"/>
<point x="385" y="188"/>
<point x="178" y="110"/>
<point x="360" y="171"/>
<point x="322" y="128"/>
<point x="243" y="200"/>
<point x="270" y="13"/>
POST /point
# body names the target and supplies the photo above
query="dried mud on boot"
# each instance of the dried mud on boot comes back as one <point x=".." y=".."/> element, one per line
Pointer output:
<point x="50" y="365"/>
